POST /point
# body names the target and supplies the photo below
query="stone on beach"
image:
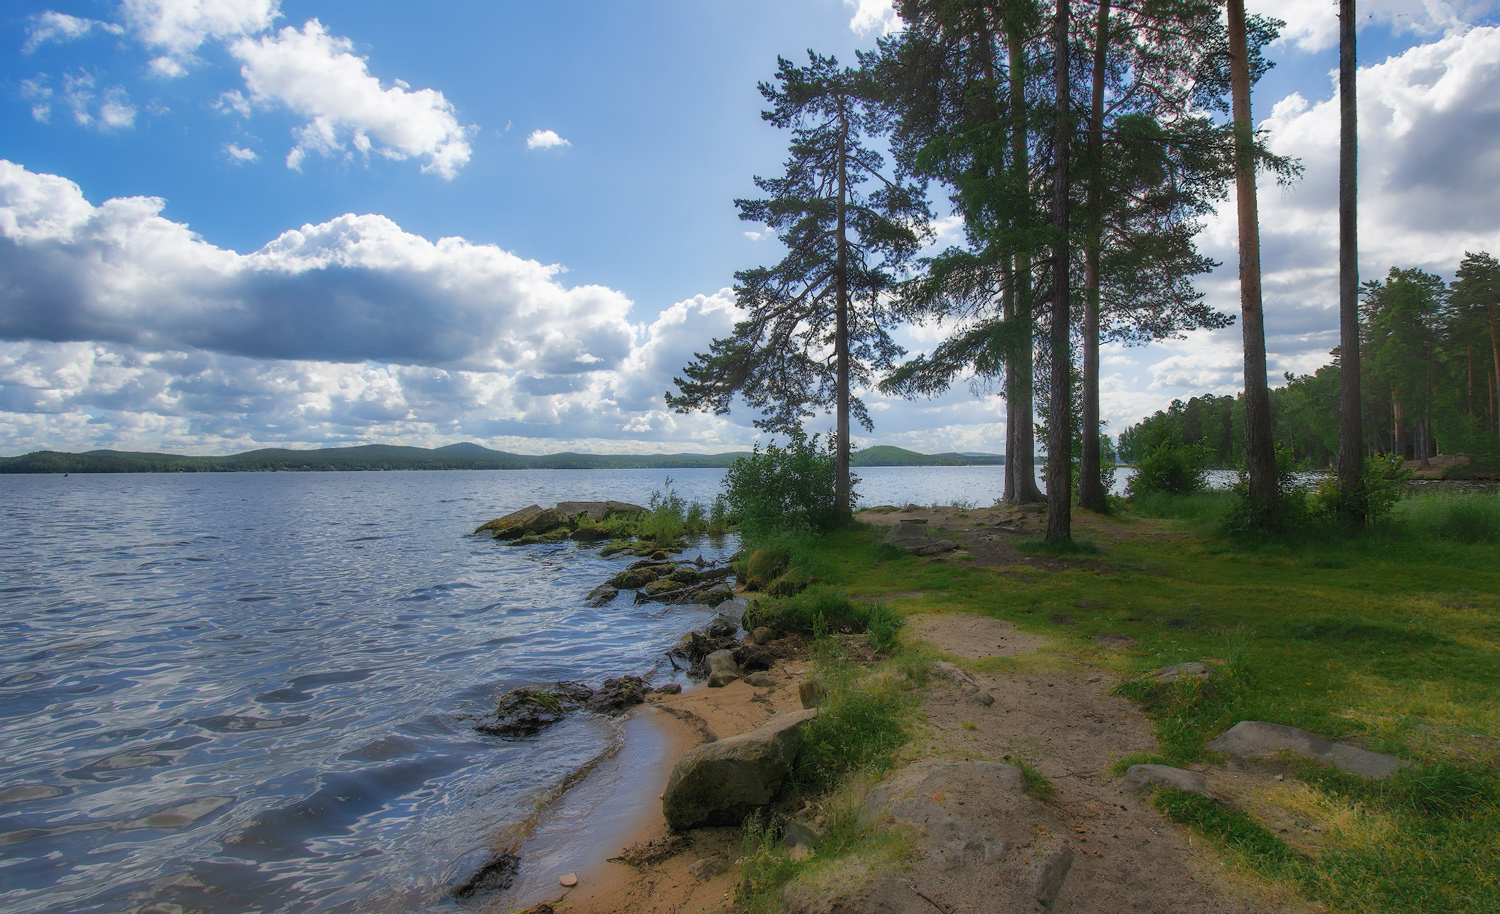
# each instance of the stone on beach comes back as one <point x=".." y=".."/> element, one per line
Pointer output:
<point x="722" y="669"/>
<point x="722" y="782"/>
<point x="911" y="535"/>
<point x="1144" y="776"/>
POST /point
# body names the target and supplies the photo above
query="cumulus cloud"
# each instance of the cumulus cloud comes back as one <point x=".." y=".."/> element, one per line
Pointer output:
<point x="1315" y="26"/>
<point x="180" y="27"/>
<point x="350" y="289"/>
<point x="874" y="16"/>
<point x="317" y="75"/>
<point x="545" y="139"/>
<point x="239" y="155"/>
<point x="60" y="28"/>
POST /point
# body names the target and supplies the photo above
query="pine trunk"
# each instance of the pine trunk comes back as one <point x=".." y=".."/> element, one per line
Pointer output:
<point x="1023" y="417"/>
<point x="1351" y="435"/>
<point x="1059" y="424"/>
<point x="842" y="500"/>
<point x="1090" y="487"/>
<point x="1260" y="454"/>
<point x="1007" y="282"/>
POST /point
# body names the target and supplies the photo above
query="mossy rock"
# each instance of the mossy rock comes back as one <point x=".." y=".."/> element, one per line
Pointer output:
<point x="665" y="585"/>
<point x="684" y="575"/>
<point x="634" y="579"/>
<point x="590" y="534"/>
<point x="790" y="584"/>
<point x="614" y="549"/>
<point x="763" y="567"/>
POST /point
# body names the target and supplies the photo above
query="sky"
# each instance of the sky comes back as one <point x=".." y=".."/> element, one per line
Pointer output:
<point x="228" y="224"/>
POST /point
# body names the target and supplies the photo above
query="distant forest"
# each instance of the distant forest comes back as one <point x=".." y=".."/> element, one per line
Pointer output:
<point x="1429" y="362"/>
<point x="453" y="457"/>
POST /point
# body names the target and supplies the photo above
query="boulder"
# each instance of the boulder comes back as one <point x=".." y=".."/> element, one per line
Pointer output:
<point x="721" y="626"/>
<point x="1143" y="777"/>
<point x="669" y="688"/>
<point x="618" y="695"/>
<point x="708" y="867"/>
<point x="659" y="587"/>
<point x="1252" y="738"/>
<point x="733" y="607"/>
<point x="980" y="844"/>
<point x="536" y="520"/>
<point x="761" y="680"/>
<point x="634" y="578"/>
<point x="601" y="595"/>
<point x="722" y="670"/>
<point x="811" y="693"/>
<point x="684" y="575"/>
<point x="527" y="711"/>
<point x="496" y="875"/>
<point x="574" y="511"/>
<point x="762" y="635"/>
<point x="911" y="535"/>
<point x="715" y="595"/>
<point x="722" y="782"/>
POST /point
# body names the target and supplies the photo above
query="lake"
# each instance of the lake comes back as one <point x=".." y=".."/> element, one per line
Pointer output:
<point x="228" y="692"/>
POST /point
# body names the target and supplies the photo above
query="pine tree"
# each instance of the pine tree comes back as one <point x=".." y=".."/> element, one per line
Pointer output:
<point x="1351" y="435"/>
<point x="816" y="320"/>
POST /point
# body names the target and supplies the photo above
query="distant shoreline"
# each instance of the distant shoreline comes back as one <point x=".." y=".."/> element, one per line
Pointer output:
<point x="376" y="457"/>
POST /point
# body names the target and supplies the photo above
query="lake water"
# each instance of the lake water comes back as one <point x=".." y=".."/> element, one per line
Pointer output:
<point x="232" y="692"/>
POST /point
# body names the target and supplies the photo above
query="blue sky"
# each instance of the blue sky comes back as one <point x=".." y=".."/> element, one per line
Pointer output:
<point x="235" y="223"/>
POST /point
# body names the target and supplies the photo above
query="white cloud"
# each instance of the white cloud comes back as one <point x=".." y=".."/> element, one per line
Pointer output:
<point x="1314" y="26"/>
<point x="60" y="27"/>
<point x="874" y="16"/>
<point x="316" y="75"/>
<point x="239" y="155"/>
<point x="545" y="139"/>
<point x="180" y="27"/>
<point x="104" y="111"/>
<point x="759" y="236"/>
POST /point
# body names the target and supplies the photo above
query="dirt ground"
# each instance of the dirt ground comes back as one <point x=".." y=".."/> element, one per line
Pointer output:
<point x="1056" y="714"/>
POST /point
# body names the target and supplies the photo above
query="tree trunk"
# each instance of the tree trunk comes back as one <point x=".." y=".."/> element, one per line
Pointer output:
<point x="1023" y="417"/>
<point x="1398" y="445"/>
<point x="1495" y="385"/>
<point x="842" y="499"/>
<point x="1351" y="436"/>
<point x="1059" y="424"/>
<point x="1469" y="357"/>
<point x="1008" y="294"/>
<point x="1090" y="487"/>
<point x="1260" y="454"/>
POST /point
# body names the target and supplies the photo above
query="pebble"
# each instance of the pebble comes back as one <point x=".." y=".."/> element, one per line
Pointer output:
<point x="568" y="880"/>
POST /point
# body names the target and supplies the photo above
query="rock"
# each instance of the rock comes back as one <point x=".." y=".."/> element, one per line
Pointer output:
<point x="511" y="525"/>
<point x="527" y="711"/>
<point x="708" y="867"/>
<point x="811" y="692"/>
<point x="658" y="587"/>
<point x="733" y="608"/>
<point x="964" y="681"/>
<point x="618" y="695"/>
<point x="670" y="688"/>
<point x="1050" y="874"/>
<point x="1256" y="738"/>
<point x="694" y="647"/>
<point x="495" y="876"/>
<point x="752" y="658"/>
<point x="798" y="833"/>
<point x="911" y="535"/>
<point x="1193" y="670"/>
<point x="977" y="836"/>
<point x="616" y="549"/>
<point x="567" y="880"/>
<point x="720" y="783"/>
<point x="718" y="594"/>
<point x="1143" y="777"/>
<point x="574" y="511"/>
<point x="721" y="626"/>
<point x="762" y="635"/>
<point x="761" y="680"/>
<point x="634" y="578"/>
<point x="601" y="595"/>
<point x="722" y="670"/>
<point x="684" y="575"/>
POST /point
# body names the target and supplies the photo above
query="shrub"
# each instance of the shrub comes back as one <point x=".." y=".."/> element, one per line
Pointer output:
<point x="1380" y="488"/>
<point x="1291" y="514"/>
<point x="782" y="489"/>
<point x="1170" y="467"/>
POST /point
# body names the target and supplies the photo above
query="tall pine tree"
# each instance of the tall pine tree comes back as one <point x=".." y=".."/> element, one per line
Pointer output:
<point x="816" y="320"/>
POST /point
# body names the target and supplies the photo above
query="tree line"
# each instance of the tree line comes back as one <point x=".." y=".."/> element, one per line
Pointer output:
<point x="1430" y="381"/>
<point x="1081" y="144"/>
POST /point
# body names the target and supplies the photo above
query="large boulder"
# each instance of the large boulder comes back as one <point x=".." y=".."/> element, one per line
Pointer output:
<point x="981" y="843"/>
<point x="911" y="535"/>
<point x="722" y="782"/>
<point x="616" y="696"/>
<point x="634" y="578"/>
<point x="534" y="520"/>
<point x="1253" y="738"/>
<point x="722" y="669"/>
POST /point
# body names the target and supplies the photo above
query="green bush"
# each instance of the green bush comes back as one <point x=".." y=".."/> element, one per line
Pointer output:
<point x="1292" y="513"/>
<point x="1170" y="467"/>
<point x="783" y="489"/>
<point x="826" y="610"/>
<point x="1380" y="488"/>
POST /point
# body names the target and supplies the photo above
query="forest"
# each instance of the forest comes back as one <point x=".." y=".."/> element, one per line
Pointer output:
<point x="1429" y="357"/>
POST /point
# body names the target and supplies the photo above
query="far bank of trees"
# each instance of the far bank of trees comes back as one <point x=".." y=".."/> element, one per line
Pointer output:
<point x="1429" y="377"/>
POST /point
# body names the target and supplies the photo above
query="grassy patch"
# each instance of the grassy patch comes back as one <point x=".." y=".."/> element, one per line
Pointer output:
<point x="1460" y="518"/>
<point x="1063" y="548"/>
<point x="821" y="610"/>
<point x="1263" y="851"/>
<point x="858" y="728"/>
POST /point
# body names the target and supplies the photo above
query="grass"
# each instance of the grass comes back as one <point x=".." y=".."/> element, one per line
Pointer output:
<point x="1459" y="518"/>
<point x="1390" y="636"/>
<point x="821" y="610"/>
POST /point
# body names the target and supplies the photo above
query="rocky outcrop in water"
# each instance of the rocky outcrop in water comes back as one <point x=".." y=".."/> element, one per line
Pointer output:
<point x="566" y="518"/>
<point x="528" y="711"/>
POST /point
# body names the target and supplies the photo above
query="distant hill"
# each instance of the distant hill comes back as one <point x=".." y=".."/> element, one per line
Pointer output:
<point x="462" y="456"/>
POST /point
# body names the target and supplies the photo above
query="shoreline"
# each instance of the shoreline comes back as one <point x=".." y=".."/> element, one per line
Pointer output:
<point x="617" y="808"/>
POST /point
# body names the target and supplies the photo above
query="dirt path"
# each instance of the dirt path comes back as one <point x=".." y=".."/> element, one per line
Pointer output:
<point x="1061" y="719"/>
